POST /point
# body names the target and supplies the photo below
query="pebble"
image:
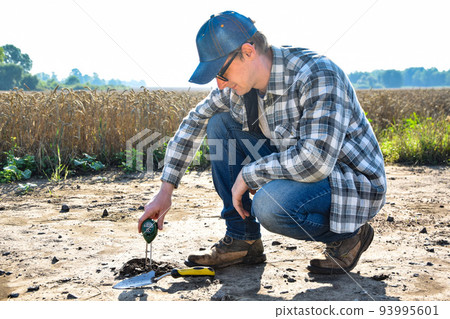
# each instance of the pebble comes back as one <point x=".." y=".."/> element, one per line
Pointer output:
<point x="2" y="208"/>
<point x="141" y="207"/>
<point x="61" y="281"/>
<point x="390" y="219"/>
<point x="2" y="272"/>
<point x="442" y="242"/>
<point x="6" y="253"/>
<point x="429" y="264"/>
<point x="380" y="277"/>
<point x="33" y="288"/>
<point x="64" y="209"/>
<point x="291" y="247"/>
<point x="70" y="296"/>
<point x="54" y="260"/>
<point x="105" y="213"/>
<point x="424" y="231"/>
<point x="13" y="295"/>
<point x="291" y="280"/>
<point x="276" y="243"/>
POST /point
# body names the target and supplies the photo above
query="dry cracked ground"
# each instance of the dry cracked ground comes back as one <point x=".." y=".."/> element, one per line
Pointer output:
<point x="51" y="253"/>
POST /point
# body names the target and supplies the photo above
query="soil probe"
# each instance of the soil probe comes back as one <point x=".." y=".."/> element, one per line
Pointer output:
<point x="149" y="230"/>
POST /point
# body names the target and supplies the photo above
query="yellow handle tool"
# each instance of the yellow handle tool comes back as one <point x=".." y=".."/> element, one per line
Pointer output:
<point x="194" y="271"/>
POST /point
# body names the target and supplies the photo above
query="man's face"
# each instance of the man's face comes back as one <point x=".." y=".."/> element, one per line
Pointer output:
<point x="238" y="75"/>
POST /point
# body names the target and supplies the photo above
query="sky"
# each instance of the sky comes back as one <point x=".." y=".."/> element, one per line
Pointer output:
<point x="154" y="41"/>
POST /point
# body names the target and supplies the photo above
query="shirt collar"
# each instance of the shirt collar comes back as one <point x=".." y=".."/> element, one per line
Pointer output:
<point x="276" y="81"/>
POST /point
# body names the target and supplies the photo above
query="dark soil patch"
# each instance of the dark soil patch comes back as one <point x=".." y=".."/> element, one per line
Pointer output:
<point x="135" y="267"/>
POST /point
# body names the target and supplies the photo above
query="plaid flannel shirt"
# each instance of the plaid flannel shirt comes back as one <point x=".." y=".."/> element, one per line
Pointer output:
<point x="312" y="108"/>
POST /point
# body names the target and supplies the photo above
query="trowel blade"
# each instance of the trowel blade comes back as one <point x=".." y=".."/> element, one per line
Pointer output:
<point x="137" y="281"/>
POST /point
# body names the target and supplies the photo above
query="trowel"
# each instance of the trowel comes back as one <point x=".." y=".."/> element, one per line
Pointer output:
<point x="149" y="277"/>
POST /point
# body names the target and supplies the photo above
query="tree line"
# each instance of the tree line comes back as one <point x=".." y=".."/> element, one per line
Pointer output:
<point x="79" y="81"/>
<point x="15" y="68"/>
<point x="411" y="77"/>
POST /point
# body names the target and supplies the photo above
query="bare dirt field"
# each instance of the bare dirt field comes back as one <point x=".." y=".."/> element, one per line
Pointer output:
<point x="47" y="253"/>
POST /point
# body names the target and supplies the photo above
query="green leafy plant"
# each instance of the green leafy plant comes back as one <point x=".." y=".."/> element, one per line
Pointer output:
<point x="200" y="161"/>
<point x="88" y="163"/>
<point x="158" y="156"/>
<point x="25" y="188"/>
<point x="417" y="140"/>
<point x="17" y="168"/>
<point x="133" y="154"/>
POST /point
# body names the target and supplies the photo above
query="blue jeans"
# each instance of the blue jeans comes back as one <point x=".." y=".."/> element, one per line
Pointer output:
<point x="293" y="209"/>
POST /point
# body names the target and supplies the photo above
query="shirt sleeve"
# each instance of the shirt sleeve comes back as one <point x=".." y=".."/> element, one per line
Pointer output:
<point x="190" y="134"/>
<point x="326" y="115"/>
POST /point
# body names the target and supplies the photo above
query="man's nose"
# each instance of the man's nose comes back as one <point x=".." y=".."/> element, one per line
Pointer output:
<point x="221" y="84"/>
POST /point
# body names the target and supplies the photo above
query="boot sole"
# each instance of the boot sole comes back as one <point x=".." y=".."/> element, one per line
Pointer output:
<point x="339" y="271"/>
<point x="248" y="260"/>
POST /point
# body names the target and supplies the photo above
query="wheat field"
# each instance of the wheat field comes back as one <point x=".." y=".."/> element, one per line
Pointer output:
<point x="100" y="122"/>
<point x="385" y="107"/>
<point x="87" y="121"/>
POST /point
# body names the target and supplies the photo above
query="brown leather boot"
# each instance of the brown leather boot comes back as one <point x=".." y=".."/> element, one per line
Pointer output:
<point x="229" y="251"/>
<point x="342" y="256"/>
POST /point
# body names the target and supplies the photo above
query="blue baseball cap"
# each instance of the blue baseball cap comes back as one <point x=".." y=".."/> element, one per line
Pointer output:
<point x="217" y="38"/>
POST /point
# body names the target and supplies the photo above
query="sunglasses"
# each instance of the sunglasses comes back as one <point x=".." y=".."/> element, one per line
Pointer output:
<point x="226" y="66"/>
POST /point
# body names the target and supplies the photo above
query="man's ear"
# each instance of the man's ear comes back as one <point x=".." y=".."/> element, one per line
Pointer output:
<point x="248" y="51"/>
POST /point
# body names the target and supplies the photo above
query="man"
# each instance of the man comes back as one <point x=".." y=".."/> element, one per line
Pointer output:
<point x="285" y="125"/>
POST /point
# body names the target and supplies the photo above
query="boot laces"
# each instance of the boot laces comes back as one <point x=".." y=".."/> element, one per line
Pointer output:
<point x="227" y="240"/>
<point x="332" y="249"/>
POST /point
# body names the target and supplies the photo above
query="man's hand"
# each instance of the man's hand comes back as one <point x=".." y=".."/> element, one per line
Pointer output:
<point x="158" y="206"/>
<point x="238" y="190"/>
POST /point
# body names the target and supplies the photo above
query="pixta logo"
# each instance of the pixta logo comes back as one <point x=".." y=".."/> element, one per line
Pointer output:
<point x="145" y="144"/>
